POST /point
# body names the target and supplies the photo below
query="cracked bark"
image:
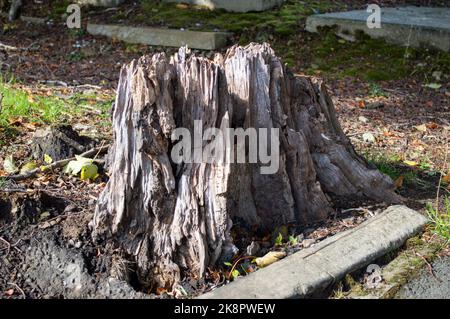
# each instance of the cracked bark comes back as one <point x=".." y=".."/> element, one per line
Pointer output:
<point x="176" y="219"/>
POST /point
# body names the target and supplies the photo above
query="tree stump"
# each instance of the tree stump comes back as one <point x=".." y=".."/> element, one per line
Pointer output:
<point x="175" y="219"/>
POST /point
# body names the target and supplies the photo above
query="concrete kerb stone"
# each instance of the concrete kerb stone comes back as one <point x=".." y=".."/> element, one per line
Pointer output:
<point x="161" y="37"/>
<point x="314" y="269"/>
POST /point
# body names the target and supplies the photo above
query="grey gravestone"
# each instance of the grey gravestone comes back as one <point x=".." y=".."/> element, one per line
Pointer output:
<point x="164" y="37"/>
<point x="406" y="26"/>
<point x="234" y="5"/>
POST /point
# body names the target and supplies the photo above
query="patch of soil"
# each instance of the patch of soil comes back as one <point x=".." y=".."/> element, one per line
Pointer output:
<point x="46" y="252"/>
<point x="53" y="53"/>
<point x="59" y="142"/>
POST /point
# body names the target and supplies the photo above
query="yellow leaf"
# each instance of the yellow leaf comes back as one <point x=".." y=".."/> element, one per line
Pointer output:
<point x="270" y="258"/>
<point x="48" y="159"/>
<point x="411" y="163"/>
<point x="89" y="171"/>
<point x="28" y="167"/>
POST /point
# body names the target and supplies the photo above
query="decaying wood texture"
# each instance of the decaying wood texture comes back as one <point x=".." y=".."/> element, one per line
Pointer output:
<point x="176" y="219"/>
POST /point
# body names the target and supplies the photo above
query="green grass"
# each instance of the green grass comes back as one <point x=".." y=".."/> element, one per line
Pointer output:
<point x="367" y="59"/>
<point x="76" y="56"/>
<point x="59" y="8"/>
<point x="440" y="220"/>
<point x="392" y="167"/>
<point x="376" y="91"/>
<point x="44" y="109"/>
<point x="17" y="103"/>
<point x="374" y="60"/>
<point x="283" y="21"/>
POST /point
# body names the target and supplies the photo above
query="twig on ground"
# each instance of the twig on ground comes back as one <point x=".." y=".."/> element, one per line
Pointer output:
<point x="360" y="133"/>
<point x="430" y="268"/>
<point x="237" y="262"/>
<point x="351" y="210"/>
<point x="8" y="245"/>
<point x="54" y="83"/>
<point x="98" y="153"/>
<point x="13" y="190"/>
<point x="58" y="164"/>
<point x="8" y="47"/>
<point x="440" y="179"/>
<point x="86" y="86"/>
<point x="91" y="108"/>
<point x="32" y="47"/>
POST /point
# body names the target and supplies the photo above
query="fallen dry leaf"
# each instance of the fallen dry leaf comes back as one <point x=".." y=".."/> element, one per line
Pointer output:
<point x="399" y="181"/>
<point x="446" y="178"/>
<point x="269" y="258"/>
<point x="182" y="6"/>
<point x="161" y="291"/>
<point x="15" y="121"/>
<point x="361" y="104"/>
<point x="9" y="292"/>
<point x="421" y="128"/>
<point x="432" y="125"/>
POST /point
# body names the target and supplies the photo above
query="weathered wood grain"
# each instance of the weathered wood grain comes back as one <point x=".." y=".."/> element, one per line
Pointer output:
<point x="176" y="220"/>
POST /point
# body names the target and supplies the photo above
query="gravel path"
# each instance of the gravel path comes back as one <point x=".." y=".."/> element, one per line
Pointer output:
<point x="425" y="286"/>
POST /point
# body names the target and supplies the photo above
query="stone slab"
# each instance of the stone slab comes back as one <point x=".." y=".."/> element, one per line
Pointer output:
<point x="161" y="37"/>
<point x="234" y="5"/>
<point x="406" y="26"/>
<point x="312" y="270"/>
<point x="100" y="3"/>
<point x="33" y="20"/>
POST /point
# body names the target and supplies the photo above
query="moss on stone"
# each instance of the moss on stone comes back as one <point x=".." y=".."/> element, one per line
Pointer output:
<point x="373" y="60"/>
<point x="283" y="21"/>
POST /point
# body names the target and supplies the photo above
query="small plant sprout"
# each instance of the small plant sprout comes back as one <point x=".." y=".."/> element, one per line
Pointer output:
<point x="279" y="240"/>
<point x="293" y="240"/>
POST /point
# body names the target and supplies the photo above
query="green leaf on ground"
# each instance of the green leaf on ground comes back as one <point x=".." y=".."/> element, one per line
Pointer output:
<point x="235" y="273"/>
<point x="434" y="86"/>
